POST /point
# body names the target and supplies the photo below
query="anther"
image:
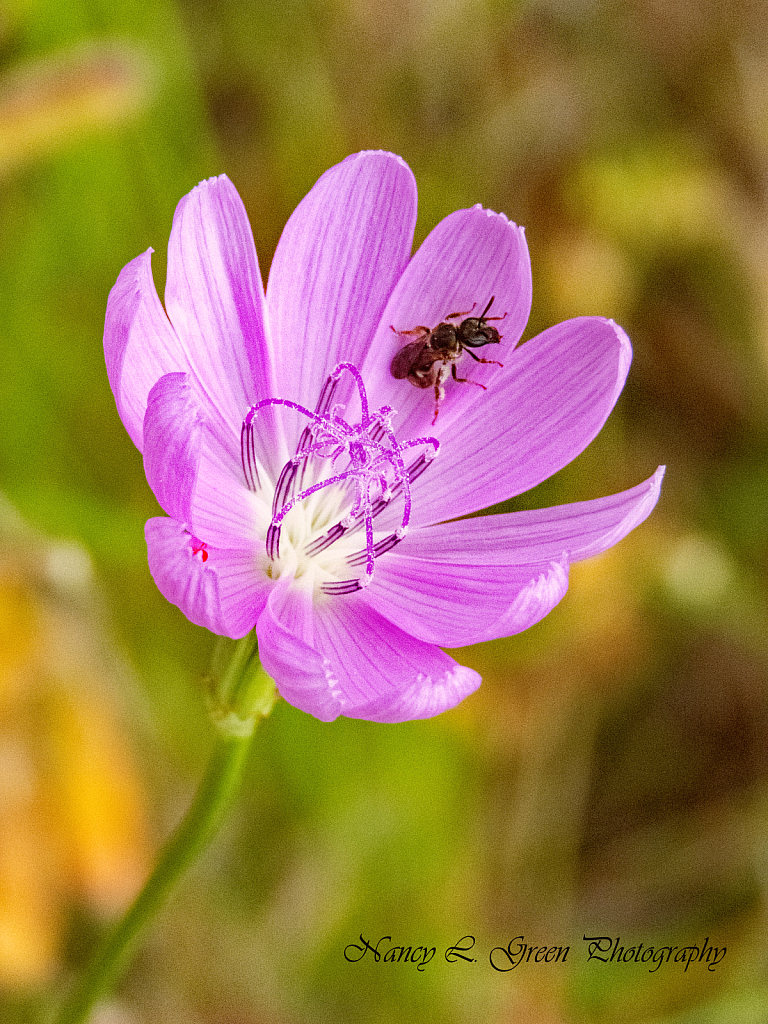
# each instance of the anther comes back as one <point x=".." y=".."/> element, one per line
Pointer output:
<point x="344" y="587"/>
<point x="273" y="542"/>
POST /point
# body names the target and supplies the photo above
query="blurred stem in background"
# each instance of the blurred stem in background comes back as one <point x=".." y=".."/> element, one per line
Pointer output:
<point x="241" y="694"/>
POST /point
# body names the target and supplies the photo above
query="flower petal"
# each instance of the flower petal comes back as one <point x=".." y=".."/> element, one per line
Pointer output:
<point x="471" y="256"/>
<point x="456" y="605"/>
<point x="544" y="408"/>
<point x="338" y="258"/>
<point x="193" y="467"/>
<point x="446" y="685"/>
<point x="580" y="529"/>
<point x="140" y="345"/>
<point x="172" y="443"/>
<point x="356" y="664"/>
<point x="215" y="298"/>
<point x="299" y="670"/>
<point x="213" y="588"/>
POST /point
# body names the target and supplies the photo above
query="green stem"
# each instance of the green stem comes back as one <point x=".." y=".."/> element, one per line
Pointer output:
<point x="254" y="691"/>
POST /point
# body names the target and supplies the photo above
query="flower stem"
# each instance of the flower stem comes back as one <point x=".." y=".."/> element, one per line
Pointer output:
<point x="254" y="694"/>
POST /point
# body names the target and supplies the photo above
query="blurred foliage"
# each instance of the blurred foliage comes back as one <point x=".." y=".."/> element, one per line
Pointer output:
<point x="609" y="777"/>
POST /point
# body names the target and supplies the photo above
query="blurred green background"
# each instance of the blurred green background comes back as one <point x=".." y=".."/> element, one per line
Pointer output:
<point x="610" y="777"/>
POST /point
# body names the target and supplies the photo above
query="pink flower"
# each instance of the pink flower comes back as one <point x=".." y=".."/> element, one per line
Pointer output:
<point x="297" y="473"/>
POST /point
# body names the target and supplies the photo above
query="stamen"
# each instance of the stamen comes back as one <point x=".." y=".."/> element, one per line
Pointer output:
<point x="288" y="505"/>
<point x="305" y="444"/>
<point x="375" y="470"/>
<point x="378" y="549"/>
<point x="248" y="456"/>
<point x="326" y="395"/>
<point x="325" y="541"/>
<point x="353" y="523"/>
<point x="273" y="542"/>
<point x="346" y="587"/>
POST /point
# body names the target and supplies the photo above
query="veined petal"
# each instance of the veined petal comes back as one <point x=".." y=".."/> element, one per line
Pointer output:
<point x="244" y="586"/>
<point x="471" y="256"/>
<point x="172" y="443"/>
<point x="223" y="511"/>
<point x="213" y="588"/>
<point x="300" y="672"/>
<point x="543" y="409"/>
<point x="215" y="298"/>
<point x="456" y="605"/>
<point x="193" y="467"/>
<point x="339" y="256"/>
<point x="581" y="529"/>
<point x="140" y="345"/>
<point x="356" y="664"/>
<point x="440" y="685"/>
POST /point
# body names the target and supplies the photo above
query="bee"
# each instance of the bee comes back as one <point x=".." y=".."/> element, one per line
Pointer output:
<point x="427" y="361"/>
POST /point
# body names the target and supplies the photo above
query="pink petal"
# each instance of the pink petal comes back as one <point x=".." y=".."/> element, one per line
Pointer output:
<point x="172" y="443"/>
<point x="469" y="257"/>
<point x="298" y="669"/>
<point x="447" y="684"/>
<point x="192" y="462"/>
<point x="456" y="605"/>
<point x="222" y="510"/>
<point x="244" y="586"/>
<point x="544" y="408"/>
<point x="340" y="657"/>
<point x="580" y="529"/>
<point x="213" y="588"/>
<point x="139" y="343"/>
<point x="339" y="256"/>
<point x="215" y="298"/>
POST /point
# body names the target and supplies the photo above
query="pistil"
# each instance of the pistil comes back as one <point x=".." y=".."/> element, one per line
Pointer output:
<point x="374" y="470"/>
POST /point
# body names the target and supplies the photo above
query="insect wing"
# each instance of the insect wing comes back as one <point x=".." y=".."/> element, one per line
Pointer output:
<point x="408" y="356"/>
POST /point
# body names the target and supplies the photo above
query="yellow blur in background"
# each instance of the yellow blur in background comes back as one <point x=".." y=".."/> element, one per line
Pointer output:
<point x="71" y="801"/>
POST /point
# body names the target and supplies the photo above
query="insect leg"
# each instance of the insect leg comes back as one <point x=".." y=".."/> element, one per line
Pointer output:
<point x="421" y="331"/>
<point x="466" y="380"/>
<point x="479" y="360"/>
<point x="438" y="388"/>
